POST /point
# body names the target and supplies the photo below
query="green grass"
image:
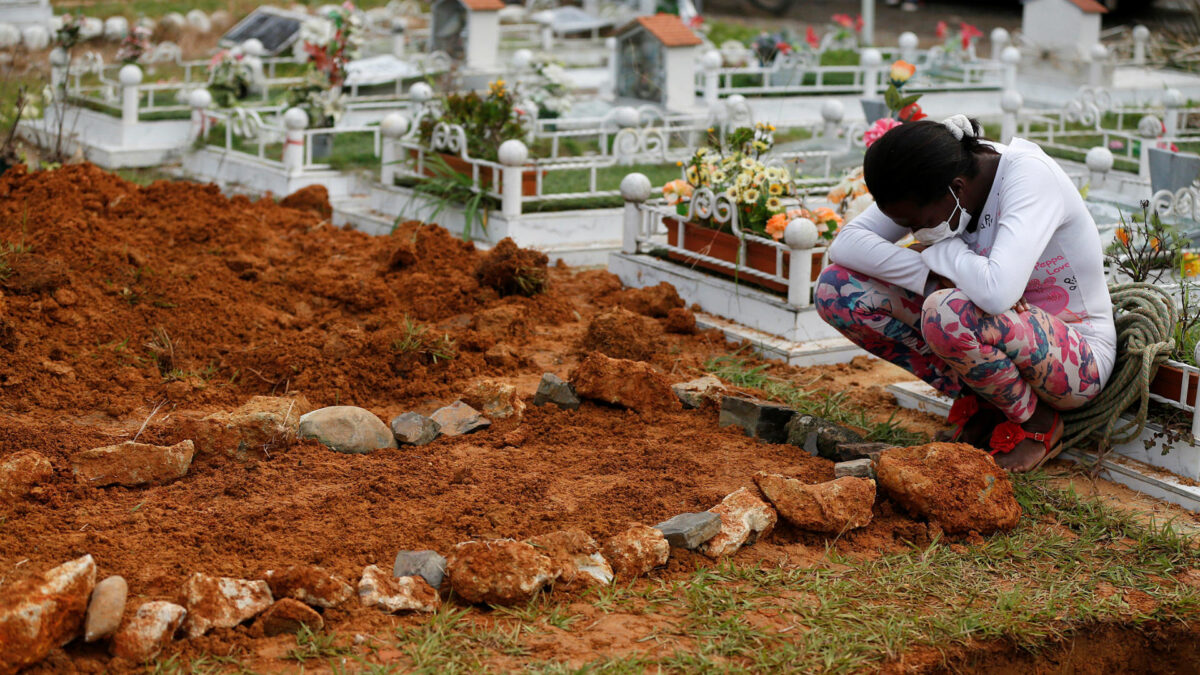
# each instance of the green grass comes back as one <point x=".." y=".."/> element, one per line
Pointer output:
<point x="353" y="150"/>
<point x="417" y="340"/>
<point x="831" y="406"/>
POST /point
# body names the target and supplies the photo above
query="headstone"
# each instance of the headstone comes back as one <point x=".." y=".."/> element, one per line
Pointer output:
<point x="21" y="13"/>
<point x="1172" y="170"/>
<point x="275" y="28"/>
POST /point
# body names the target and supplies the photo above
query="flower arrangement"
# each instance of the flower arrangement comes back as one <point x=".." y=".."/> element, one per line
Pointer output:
<point x="848" y="29"/>
<point x="488" y="120"/>
<point x="850" y="197"/>
<point x="734" y="168"/>
<point x="903" y="108"/>
<point x="967" y="35"/>
<point x="323" y="105"/>
<point x="135" y="45"/>
<point x="333" y="43"/>
<point x="828" y="222"/>
<point x="229" y="78"/>
<point x="69" y="33"/>
<point x="552" y="91"/>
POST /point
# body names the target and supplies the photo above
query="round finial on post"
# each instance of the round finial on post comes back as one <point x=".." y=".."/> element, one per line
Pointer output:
<point x="626" y="116"/>
<point x="421" y="92"/>
<point x="116" y="28"/>
<point x="1098" y="52"/>
<point x="58" y="57"/>
<point x="610" y="43"/>
<point x="130" y="75"/>
<point x="1011" y="101"/>
<point x="1099" y="160"/>
<point x="513" y="153"/>
<point x="295" y="119"/>
<point x="1010" y="55"/>
<point x="253" y="47"/>
<point x="1000" y="36"/>
<point x="522" y="58"/>
<point x="908" y="41"/>
<point x="712" y="60"/>
<point x="1173" y="98"/>
<point x="832" y="110"/>
<point x="735" y="100"/>
<point x="872" y="57"/>
<point x="1141" y="33"/>
<point x="1150" y="127"/>
<point x="635" y="187"/>
<point x="200" y="98"/>
<point x="395" y="125"/>
<point x="800" y="233"/>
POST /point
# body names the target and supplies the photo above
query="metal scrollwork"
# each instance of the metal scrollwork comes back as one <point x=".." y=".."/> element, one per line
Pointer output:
<point x="720" y="208"/>
<point x="1184" y="203"/>
<point x="450" y="138"/>
<point x="639" y="142"/>
<point x="245" y="123"/>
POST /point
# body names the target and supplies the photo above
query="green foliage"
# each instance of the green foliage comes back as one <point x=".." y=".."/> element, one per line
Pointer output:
<point x="417" y="340"/>
<point x="310" y="645"/>
<point x="229" y="79"/>
<point x="720" y="32"/>
<point x="839" y="57"/>
<point x="447" y="186"/>
<point x="1145" y="249"/>
<point x="487" y="120"/>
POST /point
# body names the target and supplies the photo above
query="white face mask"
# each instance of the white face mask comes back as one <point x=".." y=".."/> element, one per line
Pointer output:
<point x="932" y="235"/>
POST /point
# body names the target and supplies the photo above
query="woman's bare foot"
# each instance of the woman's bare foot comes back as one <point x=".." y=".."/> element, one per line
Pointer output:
<point x="1029" y="452"/>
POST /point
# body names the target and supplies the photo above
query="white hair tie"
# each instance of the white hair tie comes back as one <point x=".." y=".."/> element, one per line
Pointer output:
<point x="959" y="126"/>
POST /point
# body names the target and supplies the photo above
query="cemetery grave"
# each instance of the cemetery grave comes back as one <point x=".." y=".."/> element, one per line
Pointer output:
<point x="518" y="300"/>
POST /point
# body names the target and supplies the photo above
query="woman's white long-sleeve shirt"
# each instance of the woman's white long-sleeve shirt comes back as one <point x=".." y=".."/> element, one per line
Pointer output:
<point x="1035" y="240"/>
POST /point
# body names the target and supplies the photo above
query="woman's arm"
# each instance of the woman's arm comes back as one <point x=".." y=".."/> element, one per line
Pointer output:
<point x="1032" y="206"/>
<point x="867" y="245"/>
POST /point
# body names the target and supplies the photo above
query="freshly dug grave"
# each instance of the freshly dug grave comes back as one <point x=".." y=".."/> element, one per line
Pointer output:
<point x="130" y="310"/>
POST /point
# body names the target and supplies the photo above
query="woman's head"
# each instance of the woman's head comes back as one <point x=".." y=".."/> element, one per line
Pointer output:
<point x="918" y="172"/>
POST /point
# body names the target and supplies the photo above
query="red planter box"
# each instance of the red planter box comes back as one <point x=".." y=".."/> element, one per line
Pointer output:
<point x="724" y="246"/>
<point x="1167" y="381"/>
<point x="528" y="178"/>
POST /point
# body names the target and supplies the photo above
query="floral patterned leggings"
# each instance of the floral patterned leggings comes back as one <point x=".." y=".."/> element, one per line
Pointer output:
<point x="1010" y="359"/>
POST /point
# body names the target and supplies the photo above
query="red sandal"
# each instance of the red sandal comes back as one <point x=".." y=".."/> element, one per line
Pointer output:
<point x="1008" y="435"/>
<point x="966" y="409"/>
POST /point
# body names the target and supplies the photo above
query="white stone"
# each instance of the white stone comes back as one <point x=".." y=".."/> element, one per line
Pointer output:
<point x="105" y="608"/>
<point x="377" y="588"/>
<point x="635" y="187"/>
<point x="1099" y="159"/>
<point x="116" y="28"/>
<point x="199" y="20"/>
<point x="221" y="602"/>
<point x="10" y="36"/>
<point x="91" y="28"/>
<point x="35" y="37"/>
<point x="174" y="20"/>
<point x="46" y="612"/>
<point x="150" y="628"/>
<point x="513" y="152"/>
<point x="800" y="233"/>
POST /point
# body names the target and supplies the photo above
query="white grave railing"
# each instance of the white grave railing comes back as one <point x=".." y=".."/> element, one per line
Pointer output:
<point x="284" y="127"/>
<point x="646" y="223"/>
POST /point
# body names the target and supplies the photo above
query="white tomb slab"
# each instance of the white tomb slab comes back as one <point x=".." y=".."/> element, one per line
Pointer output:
<point x="23" y="13"/>
<point x="379" y="70"/>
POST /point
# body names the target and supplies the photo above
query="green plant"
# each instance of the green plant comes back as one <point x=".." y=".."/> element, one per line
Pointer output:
<point x="487" y="120"/>
<point x="315" y="645"/>
<point x="417" y="340"/>
<point x="229" y="78"/>
<point x="447" y="186"/>
<point x="1145" y="249"/>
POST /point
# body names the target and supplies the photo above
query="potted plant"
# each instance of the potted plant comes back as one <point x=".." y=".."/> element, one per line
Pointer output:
<point x="1144" y="249"/>
<point x="760" y="194"/>
<point x="487" y="121"/>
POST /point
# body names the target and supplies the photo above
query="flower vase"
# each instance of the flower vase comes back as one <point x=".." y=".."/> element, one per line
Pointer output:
<point x="874" y="110"/>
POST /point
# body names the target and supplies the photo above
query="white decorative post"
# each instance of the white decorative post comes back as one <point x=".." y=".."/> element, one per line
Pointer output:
<point x="871" y="60"/>
<point x="712" y="62"/>
<point x="800" y="236"/>
<point x="1000" y="40"/>
<point x="399" y="40"/>
<point x="1011" y="57"/>
<point x="1196" y="412"/>
<point x="908" y="46"/>
<point x="200" y="100"/>
<point x="610" y="48"/>
<point x="832" y="112"/>
<point x="1149" y="128"/>
<point x="521" y="60"/>
<point x="512" y="154"/>
<point x="295" y="121"/>
<point x="1010" y="102"/>
<point x="1099" y="54"/>
<point x="1141" y="35"/>
<point x="1173" y="101"/>
<point x="420" y="94"/>
<point x="58" y="69"/>
<point x="1099" y="162"/>
<point x="393" y="126"/>
<point x="868" y="19"/>
<point x="547" y="38"/>
<point x="635" y="190"/>
<point x="130" y="77"/>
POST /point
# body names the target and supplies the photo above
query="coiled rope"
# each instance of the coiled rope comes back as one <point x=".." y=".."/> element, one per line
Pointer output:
<point x="1145" y="318"/>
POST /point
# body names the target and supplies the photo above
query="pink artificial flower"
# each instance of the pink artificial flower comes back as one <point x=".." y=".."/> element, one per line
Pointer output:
<point x="810" y="36"/>
<point x="858" y="23"/>
<point x="941" y="30"/>
<point x="783" y="47"/>
<point x="881" y="127"/>
<point x="217" y="58"/>
<point x="695" y="21"/>
<point x="1116" y="145"/>
<point x="843" y="20"/>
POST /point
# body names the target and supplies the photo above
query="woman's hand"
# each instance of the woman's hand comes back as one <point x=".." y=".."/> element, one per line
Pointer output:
<point x="1021" y="306"/>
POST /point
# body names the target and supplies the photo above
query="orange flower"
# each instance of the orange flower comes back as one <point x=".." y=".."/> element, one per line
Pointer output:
<point x="776" y="225"/>
<point x="902" y="71"/>
<point x="1122" y="236"/>
<point x="1191" y="264"/>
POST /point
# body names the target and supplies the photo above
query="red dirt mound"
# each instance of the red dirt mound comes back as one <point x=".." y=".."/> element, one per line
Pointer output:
<point x="622" y="334"/>
<point x="313" y="198"/>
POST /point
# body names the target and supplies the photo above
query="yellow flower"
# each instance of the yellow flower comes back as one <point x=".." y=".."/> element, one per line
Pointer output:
<point x="747" y="164"/>
<point x="692" y="175"/>
<point x="732" y="193"/>
<point x="775" y="189"/>
<point x="718" y="176"/>
<point x="774" y="204"/>
<point x="771" y="127"/>
<point x="750" y="196"/>
<point x="1191" y="264"/>
<point x="772" y="173"/>
<point x="759" y="178"/>
<point x="678" y="163"/>
<point x="743" y="180"/>
<point x="901" y="72"/>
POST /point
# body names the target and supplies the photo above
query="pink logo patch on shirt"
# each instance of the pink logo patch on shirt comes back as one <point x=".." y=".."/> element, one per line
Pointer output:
<point x="1048" y="295"/>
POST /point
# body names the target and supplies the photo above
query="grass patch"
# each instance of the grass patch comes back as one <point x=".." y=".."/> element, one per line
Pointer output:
<point x="831" y="406"/>
<point x="417" y="340"/>
<point x="316" y="645"/>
